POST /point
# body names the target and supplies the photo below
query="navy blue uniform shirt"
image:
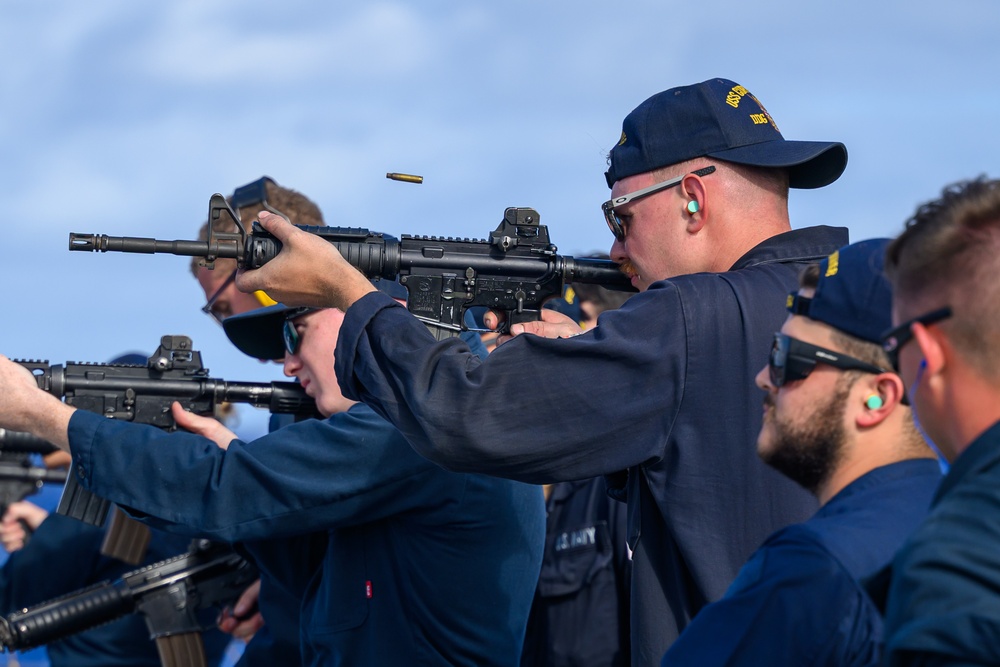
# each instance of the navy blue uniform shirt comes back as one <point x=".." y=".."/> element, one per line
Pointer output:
<point x="580" y="614"/>
<point x="664" y="387"/>
<point x="798" y="600"/>
<point x="943" y="605"/>
<point x="64" y="556"/>
<point x="422" y="566"/>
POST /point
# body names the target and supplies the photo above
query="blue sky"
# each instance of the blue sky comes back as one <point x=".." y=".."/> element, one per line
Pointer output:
<point x="123" y="117"/>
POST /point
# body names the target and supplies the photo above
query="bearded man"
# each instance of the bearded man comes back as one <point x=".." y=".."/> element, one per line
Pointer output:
<point x="836" y="422"/>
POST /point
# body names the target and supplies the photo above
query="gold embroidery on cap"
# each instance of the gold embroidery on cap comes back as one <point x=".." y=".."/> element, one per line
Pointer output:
<point x="764" y="111"/>
<point x="735" y="95"/>
<point x="831" y="268"/>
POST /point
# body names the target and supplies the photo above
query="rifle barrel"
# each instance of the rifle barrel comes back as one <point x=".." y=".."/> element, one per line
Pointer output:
<point x="597" y="271"/>
<point x="135" y="244"/>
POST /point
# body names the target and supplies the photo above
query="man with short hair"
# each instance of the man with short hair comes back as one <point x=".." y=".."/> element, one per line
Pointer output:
<point x="278" y="640"/>
<point x="942" y="594"/>
<point x="836" y="423"/>
<point x="699" y="211"/>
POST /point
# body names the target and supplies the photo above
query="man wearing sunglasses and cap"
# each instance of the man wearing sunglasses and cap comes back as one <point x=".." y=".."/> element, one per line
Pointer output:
<point x="422" y="565"/>
<point x="836" y="423"/>
<point x="942" y="593"/>
<point x="267" y="615"/>
<point x="277" y="641"/>
<point x="699" y="211"/>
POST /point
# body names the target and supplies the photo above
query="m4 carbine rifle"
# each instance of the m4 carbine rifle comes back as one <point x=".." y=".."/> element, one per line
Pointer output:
<point x="168" y="594"/>
<point x="514" y="271"/>
<point x="143" y="394"/>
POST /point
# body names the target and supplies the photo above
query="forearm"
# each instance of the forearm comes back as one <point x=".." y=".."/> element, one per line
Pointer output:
<point x="49" y="420"/>
<point x="345" y="293"/>
<point x="25" y="407"/>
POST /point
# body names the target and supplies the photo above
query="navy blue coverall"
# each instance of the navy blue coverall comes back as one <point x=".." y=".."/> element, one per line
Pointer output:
<point x="943" y="605"/>
<point x="422" y="566"/>
<point x="664" y="387"/>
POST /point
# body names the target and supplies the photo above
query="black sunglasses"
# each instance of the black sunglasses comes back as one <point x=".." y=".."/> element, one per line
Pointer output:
<point x="293" y="341"/>
<point x="615" y="223"/>
<point x="895" y="338"/>
<point x="291" y="336"/>
<point x="791" y="360"/>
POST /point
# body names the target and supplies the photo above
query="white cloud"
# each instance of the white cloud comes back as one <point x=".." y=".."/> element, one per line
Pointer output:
<point x="217" y="44"/>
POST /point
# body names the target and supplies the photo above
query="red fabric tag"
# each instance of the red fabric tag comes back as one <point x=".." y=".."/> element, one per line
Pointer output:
<point x="368" y="590"/>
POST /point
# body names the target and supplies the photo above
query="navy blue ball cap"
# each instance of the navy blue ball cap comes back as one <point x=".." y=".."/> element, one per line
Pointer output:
<point x="853" y="294"/>
<point x="259" y="333"/>
<point x="718" y="119"/>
